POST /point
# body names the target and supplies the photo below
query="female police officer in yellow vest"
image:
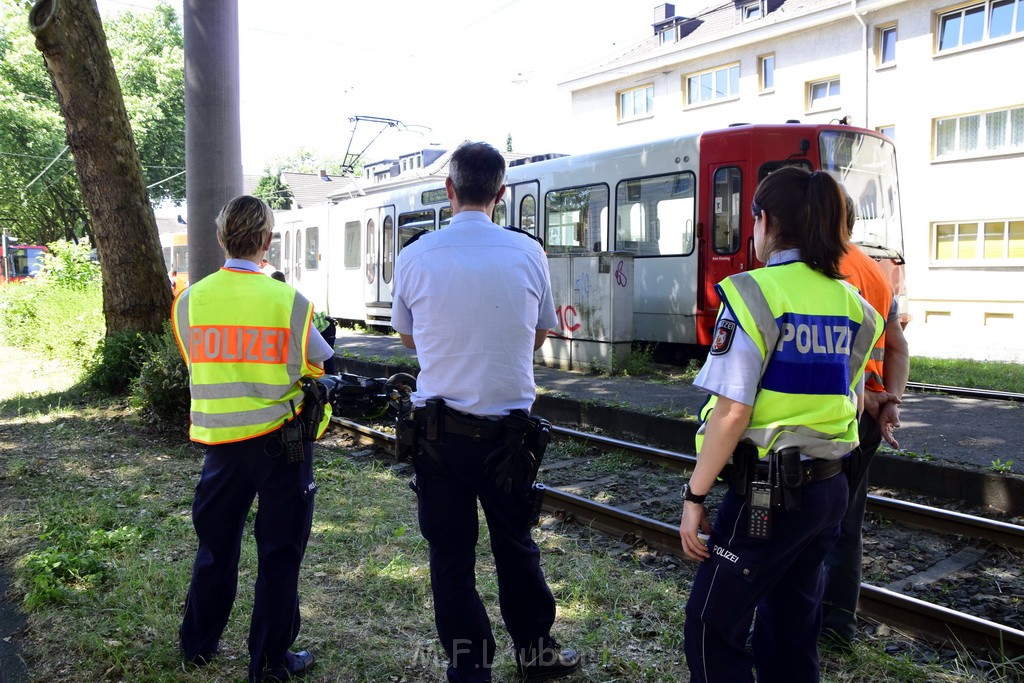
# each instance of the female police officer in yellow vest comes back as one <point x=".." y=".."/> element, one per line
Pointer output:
<point x="785" y="373"/>
<point x="247" y="340"/>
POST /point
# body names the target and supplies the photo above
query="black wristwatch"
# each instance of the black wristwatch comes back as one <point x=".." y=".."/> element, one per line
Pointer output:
<point x="691" y="496"/>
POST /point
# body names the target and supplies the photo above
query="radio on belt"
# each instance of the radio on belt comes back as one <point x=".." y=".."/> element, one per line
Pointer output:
<point x="759" y="498"/>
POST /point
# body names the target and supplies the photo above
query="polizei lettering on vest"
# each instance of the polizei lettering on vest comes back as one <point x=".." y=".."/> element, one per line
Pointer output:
<point x="815" y="338"/>
<point x="238" y="344"/>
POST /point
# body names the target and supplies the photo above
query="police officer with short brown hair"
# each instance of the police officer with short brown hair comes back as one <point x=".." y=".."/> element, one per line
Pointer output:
<point x="247" y="340"/>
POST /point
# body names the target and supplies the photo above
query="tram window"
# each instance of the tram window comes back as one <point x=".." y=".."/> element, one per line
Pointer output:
<point x="577" y="220"/>
<point x="388" y="266"/>
<point x="274" y="255"/>
<point x="528" y="214"/>
<point x="445" y="217"/>
<point x="726" y="208"/>
<point x="312" y="248"/>
<point x="298" y="252"/>
<point x="371" y="241"/>
<point x="655" y="216"/>
<point x="411" y="223"/>
<point x="772" y="166"/>
<point x="351" y="245"/>
<point x="181" y="258"/>
<point x="287" y="251"/>
<point x="500" y="213"/>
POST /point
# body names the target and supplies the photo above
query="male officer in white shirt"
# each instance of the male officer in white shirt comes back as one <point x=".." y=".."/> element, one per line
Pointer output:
<point x="475" y="302"/>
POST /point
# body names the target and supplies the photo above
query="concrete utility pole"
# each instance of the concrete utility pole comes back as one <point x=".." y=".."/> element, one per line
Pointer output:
<point x="213" y="135"/>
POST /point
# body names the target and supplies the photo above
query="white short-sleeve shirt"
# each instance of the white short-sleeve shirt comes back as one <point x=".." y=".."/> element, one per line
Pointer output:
<point x="473" y="296"/>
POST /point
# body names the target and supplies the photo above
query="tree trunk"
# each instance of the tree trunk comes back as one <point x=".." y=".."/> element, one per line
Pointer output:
<point x="136" y="295"/>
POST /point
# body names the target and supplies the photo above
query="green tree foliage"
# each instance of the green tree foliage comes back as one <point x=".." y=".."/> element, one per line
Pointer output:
<point x="34" y="206"/>
<point x="304" y="160"/>
<point x="149" y="56"/>
<point x="40" y="204"/>
<point x="275" y="193"/>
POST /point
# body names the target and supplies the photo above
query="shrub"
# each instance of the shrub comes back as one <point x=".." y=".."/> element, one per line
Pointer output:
<point x="162" y="386"/>
<point x="58" y="315"/>
<point x="118" y="360"/>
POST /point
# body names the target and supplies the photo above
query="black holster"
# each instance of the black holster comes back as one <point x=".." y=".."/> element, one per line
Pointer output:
<point x="406" y="431"/>
<point x="791" y="477"/>
<point x="314" y="403"/>
<point x="744" y="462"/>
<point x="516" y="462"/>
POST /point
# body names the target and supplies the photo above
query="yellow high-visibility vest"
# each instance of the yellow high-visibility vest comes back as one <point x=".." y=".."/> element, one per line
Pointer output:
<point x="814" y="335"/>
<point x="243" y="337"/>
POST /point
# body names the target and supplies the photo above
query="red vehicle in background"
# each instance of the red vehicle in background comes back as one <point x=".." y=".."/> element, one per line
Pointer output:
<point x="20" y="261"/>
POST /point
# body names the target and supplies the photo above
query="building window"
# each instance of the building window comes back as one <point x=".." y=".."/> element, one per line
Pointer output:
<point x="823" y="94"/>
<point x="887" y="131"/>
<point x="752" y="11"/>
<point x="714" y="84"/>
<point x="980" y="135"/>
<point x="886" y="47"/>
<point x="977" y="23"/>
<point x="669" y="35"/>
<point x="766" y="72"/>
<point x="995" y="243"/>
<point x="636" y="103"/>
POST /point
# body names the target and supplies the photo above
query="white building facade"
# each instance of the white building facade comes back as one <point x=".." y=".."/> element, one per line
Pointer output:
<point x="943" y="80"/>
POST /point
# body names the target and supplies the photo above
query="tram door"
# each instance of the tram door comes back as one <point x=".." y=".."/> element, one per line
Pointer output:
<point x="523" y="201"/>
<point x="379" y="246"/>
<point x="725" y="247"/>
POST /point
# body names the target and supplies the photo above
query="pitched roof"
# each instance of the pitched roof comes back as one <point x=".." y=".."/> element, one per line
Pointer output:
<point x="310" y="189"/>
<point x="437" y="171"/>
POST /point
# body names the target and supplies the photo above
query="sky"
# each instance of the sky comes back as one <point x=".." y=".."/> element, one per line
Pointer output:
<point x="448" y="70"/>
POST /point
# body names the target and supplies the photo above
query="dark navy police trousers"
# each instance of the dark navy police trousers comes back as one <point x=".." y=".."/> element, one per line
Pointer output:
<point x="233" y="476"/>
<point x="781" y="578"/>
<point x="448" y="520"/>
<point x="843" y="564"/>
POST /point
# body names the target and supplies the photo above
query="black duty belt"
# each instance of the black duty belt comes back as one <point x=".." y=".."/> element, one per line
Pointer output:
<point x="812" y="470"/>
<point x="463" y="424"/>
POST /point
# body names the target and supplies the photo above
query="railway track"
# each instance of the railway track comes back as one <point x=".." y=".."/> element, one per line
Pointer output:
<point x="926" y="620"/>
<point x="967" y="392"/>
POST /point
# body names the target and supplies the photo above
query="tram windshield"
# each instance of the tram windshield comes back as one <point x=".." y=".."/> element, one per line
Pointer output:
<point x="866" y="166"/>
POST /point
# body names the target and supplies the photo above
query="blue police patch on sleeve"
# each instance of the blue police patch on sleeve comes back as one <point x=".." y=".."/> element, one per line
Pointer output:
<point x="724" y="334"/>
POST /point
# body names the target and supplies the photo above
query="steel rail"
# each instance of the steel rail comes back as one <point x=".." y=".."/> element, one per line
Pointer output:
<point x="916" y="617"/>
<point x="967" y="392"/>
<point x="948" y="521"/>
<point x="912" y="514"/>
<point x="924" y="620"/>
<point x="940" y="624"/>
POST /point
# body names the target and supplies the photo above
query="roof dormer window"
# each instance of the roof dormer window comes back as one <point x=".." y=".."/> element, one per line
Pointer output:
<point x="751" y="11"/>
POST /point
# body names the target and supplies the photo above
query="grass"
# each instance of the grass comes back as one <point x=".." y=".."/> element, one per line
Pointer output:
<point x="967" y="373"/>
<point x="95" y="522"/>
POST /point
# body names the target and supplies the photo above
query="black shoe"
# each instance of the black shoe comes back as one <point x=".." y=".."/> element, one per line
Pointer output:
<point x="549" y="662"/>
<point x="299" y="663"/>
<point x="202" y="659"/>
<point x="833" y="641"/>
